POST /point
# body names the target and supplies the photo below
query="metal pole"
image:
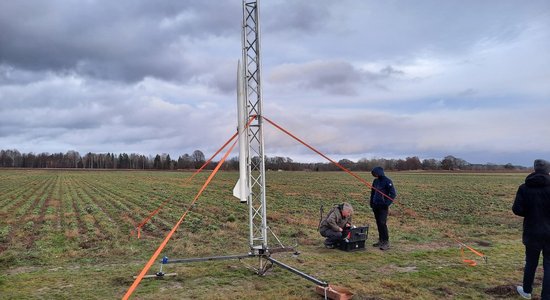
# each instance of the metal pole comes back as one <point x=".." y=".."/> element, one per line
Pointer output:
<point x="298" y="272"/>
<point x="199" y="259"/>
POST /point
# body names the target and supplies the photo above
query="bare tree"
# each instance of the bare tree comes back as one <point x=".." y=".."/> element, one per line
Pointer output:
<point x="198" y="158"/>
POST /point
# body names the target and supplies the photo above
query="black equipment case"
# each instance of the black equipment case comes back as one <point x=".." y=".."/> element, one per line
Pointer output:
<point x="355" y="239"/>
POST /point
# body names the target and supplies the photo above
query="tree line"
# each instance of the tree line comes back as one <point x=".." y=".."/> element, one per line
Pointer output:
<point x="73" y="159"/>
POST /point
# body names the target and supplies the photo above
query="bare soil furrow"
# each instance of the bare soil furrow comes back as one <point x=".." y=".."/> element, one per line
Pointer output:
<point x="118" y="203"/>
<point x="10" y="190"/>
<point x="82" y="229"/>
<point x="106" y="222"/>
<point x="21" y="197"/>
<point x="141" y="209"/>
<point x="22" y="227"/>
<point x="43" y="204"/>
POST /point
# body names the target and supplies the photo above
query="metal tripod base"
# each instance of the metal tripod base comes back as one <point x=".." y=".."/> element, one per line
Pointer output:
<point x="264" y="257"/>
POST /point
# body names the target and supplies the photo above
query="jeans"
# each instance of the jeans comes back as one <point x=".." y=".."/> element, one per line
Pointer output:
<point x="532" y="254"/>
<point x="381" y="216"/>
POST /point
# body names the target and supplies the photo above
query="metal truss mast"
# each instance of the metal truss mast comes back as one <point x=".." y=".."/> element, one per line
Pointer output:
<point x="250" y="187"/>
<point x="252" y="92"/>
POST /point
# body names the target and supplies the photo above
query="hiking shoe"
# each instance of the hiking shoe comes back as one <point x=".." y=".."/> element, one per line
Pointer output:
<point x="384" y="246"/>
<point x="523" y="294"/>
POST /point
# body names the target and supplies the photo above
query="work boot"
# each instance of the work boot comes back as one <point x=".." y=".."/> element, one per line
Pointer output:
<point x="377" y="244"/>
<point x="384" y="245"/>
<point x="329" y="245"/>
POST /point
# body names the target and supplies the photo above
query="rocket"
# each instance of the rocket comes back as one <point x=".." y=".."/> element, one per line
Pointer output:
<point x="241" y="189"/>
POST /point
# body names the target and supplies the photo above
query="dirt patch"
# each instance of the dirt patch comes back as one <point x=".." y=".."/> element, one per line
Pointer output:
<point x="484" y="243"/>
<point x="21" y="270"/>
<point x="444" y="291"/>
<point x="170" y="285"/>
<point x="308" y="241"/>
<point x="71" y="234"/>
<point x="389" y="269"/>
<point x="402" y="212"/>
<point x="409" y="247"/>
<point x="87" y="244"/>
<point x="502" y="291"/>
<point x="122" y="281"/>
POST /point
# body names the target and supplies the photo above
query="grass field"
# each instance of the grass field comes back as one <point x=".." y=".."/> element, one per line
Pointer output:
<point x="66" y="235"/>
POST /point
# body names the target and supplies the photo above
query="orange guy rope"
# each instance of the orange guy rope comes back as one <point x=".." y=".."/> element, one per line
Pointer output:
<point x="327" y="158"/>
<point x="167" y="238"/>
<point x="470" y="262"/>
<point x="369" y="185"/>
<point x="462" y="246"/>
<point x="212" y="157"/>
<point x="153" y="213"/>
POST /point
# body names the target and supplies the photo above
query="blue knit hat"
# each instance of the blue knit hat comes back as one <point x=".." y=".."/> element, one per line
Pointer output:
<point x="542" y="166"/>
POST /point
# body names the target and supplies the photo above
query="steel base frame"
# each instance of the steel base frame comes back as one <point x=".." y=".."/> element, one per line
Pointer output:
<point x="264" y="266"/>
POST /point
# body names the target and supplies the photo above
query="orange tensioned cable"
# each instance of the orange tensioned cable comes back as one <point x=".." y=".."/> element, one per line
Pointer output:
<point x="472" y="263"/>
<point x="153" y="213"/>
<point x="167" y="238"/>
<point x="215" y="154"/>
<point x="462" y="246"/>
<point x="332" y="161"/>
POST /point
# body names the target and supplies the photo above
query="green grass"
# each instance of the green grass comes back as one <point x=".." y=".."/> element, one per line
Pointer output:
<point x="66" y="235"/>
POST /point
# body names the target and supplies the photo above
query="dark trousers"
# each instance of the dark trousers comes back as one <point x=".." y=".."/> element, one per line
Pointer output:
<point x="381" y="216"/>
<point x="532" y="254"/>
<point x="332" y="236"/>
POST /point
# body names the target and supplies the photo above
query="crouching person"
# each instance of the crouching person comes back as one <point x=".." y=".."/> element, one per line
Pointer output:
<point x="337" y="220"/>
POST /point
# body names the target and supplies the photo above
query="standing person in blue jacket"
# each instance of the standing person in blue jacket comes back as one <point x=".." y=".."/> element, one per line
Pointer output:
<point x="382" y="188"/>
<point x="533" y="204"/>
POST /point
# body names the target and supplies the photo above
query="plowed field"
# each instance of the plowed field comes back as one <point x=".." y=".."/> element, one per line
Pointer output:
<point x="69" y="235"/>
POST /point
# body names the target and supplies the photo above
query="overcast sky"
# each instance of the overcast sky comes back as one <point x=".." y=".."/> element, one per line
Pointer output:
<point x="355" y="79"/>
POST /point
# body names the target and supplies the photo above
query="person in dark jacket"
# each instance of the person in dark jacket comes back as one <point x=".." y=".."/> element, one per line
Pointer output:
<point x="533" y="204"/>
<point x="381" y="197"/>
<point x="332" y="226"/>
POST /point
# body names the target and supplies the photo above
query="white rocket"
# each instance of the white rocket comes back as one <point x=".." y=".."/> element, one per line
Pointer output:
<point x="241" y="189"/>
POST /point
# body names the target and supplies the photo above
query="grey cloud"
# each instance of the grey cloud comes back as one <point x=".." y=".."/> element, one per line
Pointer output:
<point x="467" y="92"/>
<point x="60" y="113"/>
<point x="120" y="40"/>
<point x="159" y="76"/>
<point x="12" y="76"/>
<point x="334" y="77"/>
<point x="296" y="17"/>
<point x="350" y="132"/>
<point x="50" y="91"/>
<point x="331" y="76"/>
<point x="389" y="71"/>
<point x="379" y="30"/>
<point x="222" y="77"/>
<point x="36" y="120"/>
